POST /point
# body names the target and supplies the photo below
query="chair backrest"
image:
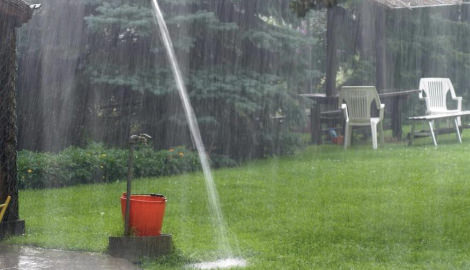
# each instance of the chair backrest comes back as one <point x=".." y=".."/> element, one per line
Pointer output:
<point x="435" y="90"/>
<point x="359" y="101"/>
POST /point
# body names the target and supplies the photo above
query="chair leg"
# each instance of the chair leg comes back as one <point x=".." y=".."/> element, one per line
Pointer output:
<point x="412" y="133"/>
<point x="373" y="128"/>
<point x="347" y="136"/>
<point x="381" y="133"/>
<point x="456" y="122"/>
<point x="431" y="128"/>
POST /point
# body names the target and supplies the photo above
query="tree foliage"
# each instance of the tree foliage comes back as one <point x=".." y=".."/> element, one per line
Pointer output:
<point x="244" y="62"/>
<point x="301" y="7"/>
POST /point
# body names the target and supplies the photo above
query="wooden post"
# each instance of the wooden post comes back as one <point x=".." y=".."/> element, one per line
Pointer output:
<point x="380" y="65"/>
<point x="8" y="183"/>
<point x="12" y="15"/>
<point x="331" y="59"/>
<point x="381" y="78"/>
<point x="396" y="118"/>
<point x="331" y="69"/>
<point x="315" y="123"/>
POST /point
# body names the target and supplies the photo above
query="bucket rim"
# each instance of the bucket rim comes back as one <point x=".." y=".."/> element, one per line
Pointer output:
<point x="124" y="196"/>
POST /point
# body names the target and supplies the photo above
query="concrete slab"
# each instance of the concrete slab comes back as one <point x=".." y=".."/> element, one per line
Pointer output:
<point x="133" y="248"/>
<point x="31" y="258"/>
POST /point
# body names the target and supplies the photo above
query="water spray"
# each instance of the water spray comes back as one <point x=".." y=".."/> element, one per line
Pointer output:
<point x="223" y="243"/>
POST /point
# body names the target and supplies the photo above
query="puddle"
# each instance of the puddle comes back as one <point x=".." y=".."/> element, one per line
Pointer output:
<point x="31" y="258"/>
<point x="220" y="264"/>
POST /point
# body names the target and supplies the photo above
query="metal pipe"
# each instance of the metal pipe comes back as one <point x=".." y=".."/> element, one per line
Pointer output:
<point x="130" y="167"/>
<point x="133" y="140"/>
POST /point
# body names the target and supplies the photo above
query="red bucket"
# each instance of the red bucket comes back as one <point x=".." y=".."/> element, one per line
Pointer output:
<point x="146" y="213"/>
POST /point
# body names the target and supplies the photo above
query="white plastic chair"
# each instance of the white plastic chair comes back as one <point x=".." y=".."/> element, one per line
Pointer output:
<point x="356" y="102"/>
<point x="435" y="95"/>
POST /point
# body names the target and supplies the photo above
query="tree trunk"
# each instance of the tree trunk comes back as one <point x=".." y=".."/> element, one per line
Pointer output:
<point x="331" y="58"/>
<point x="8" y="182"/>
<point x="380" y="64"/>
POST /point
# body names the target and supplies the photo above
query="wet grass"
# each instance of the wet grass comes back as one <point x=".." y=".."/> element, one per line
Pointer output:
<point x="396" y="208"/>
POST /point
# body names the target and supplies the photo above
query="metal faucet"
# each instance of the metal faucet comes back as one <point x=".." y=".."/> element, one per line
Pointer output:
<point x="142" y="138"/>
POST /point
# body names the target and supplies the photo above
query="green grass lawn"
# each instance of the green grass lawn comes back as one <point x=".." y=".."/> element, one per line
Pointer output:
<point x="325" y="208"/>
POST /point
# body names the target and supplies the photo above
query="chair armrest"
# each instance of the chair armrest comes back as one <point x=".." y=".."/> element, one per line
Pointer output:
<point x="426" y="99"/>
<point x="453" y="95"/>
<point x="420" y="94"/>
<point x="344" y="108"/>
<point x="459" y="102"/>
<point x="381" y="111"/>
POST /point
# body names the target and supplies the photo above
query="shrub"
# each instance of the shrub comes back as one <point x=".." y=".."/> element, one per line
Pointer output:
<point x="289" y="142"/>
<point x="99" y="164"/>
<point x="221" y="161"/>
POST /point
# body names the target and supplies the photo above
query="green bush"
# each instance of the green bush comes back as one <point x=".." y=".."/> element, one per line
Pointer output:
<point x="222" y="161"/>
<point x="289" y="142"/>
<point x="97" y="163"/>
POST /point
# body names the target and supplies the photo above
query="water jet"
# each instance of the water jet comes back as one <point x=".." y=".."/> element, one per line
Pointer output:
<point x="215" y="210"/>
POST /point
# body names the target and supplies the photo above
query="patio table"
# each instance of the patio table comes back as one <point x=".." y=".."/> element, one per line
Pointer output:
<point x="396" y="96"/>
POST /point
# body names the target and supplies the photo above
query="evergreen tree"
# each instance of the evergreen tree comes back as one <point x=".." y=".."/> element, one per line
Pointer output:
<point x="233" y="55"/>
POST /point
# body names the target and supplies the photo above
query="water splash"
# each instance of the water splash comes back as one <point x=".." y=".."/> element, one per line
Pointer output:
<point x="220" y="264"/>
<point x="223" y="243"/>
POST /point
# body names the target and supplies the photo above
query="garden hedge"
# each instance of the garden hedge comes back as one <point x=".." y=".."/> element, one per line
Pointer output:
<point x="98" y="164"/>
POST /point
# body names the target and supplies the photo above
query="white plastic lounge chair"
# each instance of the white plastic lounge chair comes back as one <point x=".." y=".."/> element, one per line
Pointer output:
<point x="434" y="92"/>
<point x="435" y="95"/>
<point x="356" y="102"/>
